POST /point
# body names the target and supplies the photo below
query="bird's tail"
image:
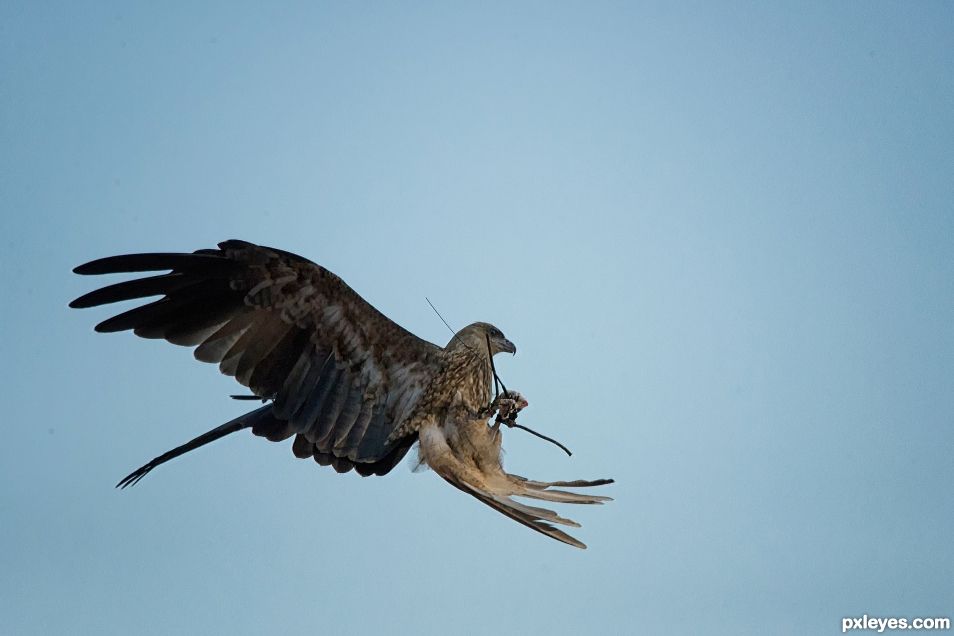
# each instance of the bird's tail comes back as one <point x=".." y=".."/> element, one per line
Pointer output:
<point x="252" y="419"/>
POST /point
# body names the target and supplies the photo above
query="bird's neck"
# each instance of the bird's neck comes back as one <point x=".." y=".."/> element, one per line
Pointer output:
<point x="470" y="372"/>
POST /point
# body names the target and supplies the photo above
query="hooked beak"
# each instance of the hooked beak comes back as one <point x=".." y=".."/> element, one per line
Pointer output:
<point x="508" y="346"/>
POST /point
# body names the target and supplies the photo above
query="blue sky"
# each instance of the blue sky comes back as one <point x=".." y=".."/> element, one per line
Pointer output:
<point x="720" y="235"/>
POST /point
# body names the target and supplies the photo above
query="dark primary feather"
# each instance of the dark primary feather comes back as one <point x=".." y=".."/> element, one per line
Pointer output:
<point x="340" y="372"/>
<point x="154" y="262"/>
<point x="132" y="289"/>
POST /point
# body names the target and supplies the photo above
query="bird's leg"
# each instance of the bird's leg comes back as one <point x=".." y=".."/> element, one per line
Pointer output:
<point x="508" y="406"/>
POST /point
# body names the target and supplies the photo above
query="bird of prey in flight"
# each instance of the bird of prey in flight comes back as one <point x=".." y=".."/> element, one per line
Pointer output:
<point x="352" y="387"/>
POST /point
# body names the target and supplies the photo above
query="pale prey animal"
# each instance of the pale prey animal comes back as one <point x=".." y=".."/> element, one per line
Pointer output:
<point x="353" y="388"/>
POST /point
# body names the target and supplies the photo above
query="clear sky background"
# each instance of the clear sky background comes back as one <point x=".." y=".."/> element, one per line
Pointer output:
<point x="720" y="234"/>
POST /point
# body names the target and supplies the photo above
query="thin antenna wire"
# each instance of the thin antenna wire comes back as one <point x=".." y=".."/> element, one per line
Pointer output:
<point x="451" y="329"/>
<point x="439" y="315"/>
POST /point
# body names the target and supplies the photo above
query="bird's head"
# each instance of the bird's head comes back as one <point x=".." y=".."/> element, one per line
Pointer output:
<point x="477" y="335"/>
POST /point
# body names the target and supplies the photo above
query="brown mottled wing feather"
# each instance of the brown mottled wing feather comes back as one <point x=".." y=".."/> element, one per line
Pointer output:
<point x="342" y="375"/>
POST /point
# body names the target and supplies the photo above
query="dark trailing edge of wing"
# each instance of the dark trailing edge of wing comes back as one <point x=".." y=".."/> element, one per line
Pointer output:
<point x="151" y="262"/>
<point x="263" y="423"/>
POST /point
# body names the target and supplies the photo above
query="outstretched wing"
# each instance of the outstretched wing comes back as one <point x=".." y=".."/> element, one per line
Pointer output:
<point x="342" y="376"/>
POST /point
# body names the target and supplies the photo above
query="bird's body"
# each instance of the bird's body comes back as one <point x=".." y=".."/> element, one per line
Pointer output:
<point x="462" y="383"/>
<point x="353" y="388"/>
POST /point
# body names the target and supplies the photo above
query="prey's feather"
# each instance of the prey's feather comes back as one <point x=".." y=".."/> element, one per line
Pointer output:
<point x="465" y="451"/>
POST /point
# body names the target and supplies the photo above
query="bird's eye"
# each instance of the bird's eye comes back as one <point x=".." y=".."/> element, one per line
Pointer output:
<point x="496" y="333"/>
